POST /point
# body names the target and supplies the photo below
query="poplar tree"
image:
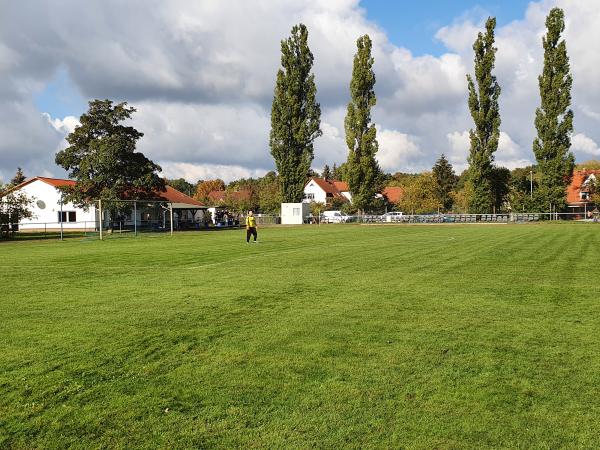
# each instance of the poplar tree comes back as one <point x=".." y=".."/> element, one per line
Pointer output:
<point x="326" y="172"/>
<point x="484" y="91"/>
<point x="362" y="171"/>
<point x="445" y="180"/>
<point x="554" y="119"/>
<point x="295" y="115"/>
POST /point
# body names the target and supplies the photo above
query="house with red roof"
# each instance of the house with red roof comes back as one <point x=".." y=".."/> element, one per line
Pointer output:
<point x="325" y="191"/>
<point x="50" y="213"/>
<point x="580" y="191"/>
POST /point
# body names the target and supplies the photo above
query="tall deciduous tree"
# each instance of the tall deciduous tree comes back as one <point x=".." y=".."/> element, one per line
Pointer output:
<point x="326" y="172"/>
<point x="484" y="91"/>
<point x="295" y="115"/>
<point x="362" y="171"/>
<point x="102" y="159"/>
<point x="445" y="179"/>
<point x="554" y="119"/>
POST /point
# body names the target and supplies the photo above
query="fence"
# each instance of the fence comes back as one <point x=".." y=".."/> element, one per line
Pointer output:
<point x="122" y="225"/>
<point x="454" y="218"/>
<point x="42" y="230"/>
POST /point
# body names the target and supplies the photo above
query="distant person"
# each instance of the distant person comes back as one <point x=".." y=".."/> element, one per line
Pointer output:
<point x="251" y="227"/>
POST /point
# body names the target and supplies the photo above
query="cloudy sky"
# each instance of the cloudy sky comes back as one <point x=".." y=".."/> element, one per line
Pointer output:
<point x="201" y="75"/>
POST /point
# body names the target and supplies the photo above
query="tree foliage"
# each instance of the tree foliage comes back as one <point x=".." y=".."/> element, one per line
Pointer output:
<point x="295" y="115"/>
<point x="521" y="181"/>
<point x="590" y="164"/>
<point x="362" y="170"/>
<point x="182" y="185"/>
<point x="206" y="187"/>
<point x="326" y="172"/>
<point x="484" y="92"/>
<point x="269" y="194"/>
<point x="500" y="188"/>
<point x="445" y="179"/>
<point x="18" y="178"/>
<point x="101" y="157"/>
<point x="14" y="207"/>
<point x="554" y="119"/>
<point x="420" y="195"/>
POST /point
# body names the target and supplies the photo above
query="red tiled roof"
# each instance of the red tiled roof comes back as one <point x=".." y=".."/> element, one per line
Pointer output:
<point x="174" y="196"/>
<point x="170" y="195"/>
<point x="341" y="186"/>
<point x="334" y="187"/>
<point x="393" y="194"/>
<point x="56" y="182"/>
<point x="574" y="189"/>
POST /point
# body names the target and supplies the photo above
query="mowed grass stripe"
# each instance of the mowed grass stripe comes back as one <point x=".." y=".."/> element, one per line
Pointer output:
<point x="332" y="336"/>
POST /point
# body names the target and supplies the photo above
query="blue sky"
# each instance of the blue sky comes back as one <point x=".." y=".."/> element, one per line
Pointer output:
<point x="413" y="24"/>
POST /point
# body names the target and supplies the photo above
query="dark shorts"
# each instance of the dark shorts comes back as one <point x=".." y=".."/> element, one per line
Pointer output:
<point x="251" y="231"/>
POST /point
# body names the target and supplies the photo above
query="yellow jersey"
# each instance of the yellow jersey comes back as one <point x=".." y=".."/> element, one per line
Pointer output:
<point x="250" y="222"/>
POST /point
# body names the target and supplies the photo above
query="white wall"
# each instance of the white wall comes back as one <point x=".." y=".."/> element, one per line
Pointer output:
<point x="314" y="189"/>
<point x="294" y="213"/>
<point x="47" y="217"/>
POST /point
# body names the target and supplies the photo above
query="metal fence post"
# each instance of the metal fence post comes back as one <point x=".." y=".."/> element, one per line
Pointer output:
<point x="61" y="218"/>
<point x="135" y="218"/>
<point x="100" y="217"/>
<point x="171" y="214"/>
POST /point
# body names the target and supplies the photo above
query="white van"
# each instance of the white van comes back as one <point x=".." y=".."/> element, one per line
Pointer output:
<point x="334" y="217"/>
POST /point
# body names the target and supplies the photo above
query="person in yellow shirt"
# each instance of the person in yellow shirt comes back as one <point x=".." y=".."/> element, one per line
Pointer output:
<point x="250" y="227"/>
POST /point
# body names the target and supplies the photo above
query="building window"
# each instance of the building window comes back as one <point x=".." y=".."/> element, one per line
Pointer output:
<point x="67" y="216"/>
<point x="295" y="211"/>
<point x="583" y="195"/>
<point x="309" y="196"/>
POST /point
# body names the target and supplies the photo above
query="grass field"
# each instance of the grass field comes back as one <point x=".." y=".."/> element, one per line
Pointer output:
<point x="328" y="337"/>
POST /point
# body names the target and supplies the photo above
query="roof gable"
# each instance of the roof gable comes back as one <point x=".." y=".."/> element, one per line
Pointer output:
<point x="577" y="182"/>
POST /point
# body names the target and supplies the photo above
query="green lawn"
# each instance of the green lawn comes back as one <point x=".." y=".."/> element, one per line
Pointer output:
<point x="331" y="337"/>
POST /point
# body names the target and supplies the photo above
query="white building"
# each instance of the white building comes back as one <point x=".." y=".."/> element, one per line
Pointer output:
<point x="294" y="213"/>
<point x="324" y="191"/>
<point x="50" y="214"/>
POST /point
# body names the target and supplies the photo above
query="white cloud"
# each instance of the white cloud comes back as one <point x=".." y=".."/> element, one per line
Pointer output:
<point x="65" y="125"/>
<point x="201" y="75"/>
<point x="398" y="151"/>
<point x="580" y="143"/>
<point x="195" y="172"/>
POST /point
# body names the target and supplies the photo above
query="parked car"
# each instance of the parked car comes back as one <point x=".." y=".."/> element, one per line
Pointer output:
<point x="392" y="216"/>
<point x="334" y="217"/>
